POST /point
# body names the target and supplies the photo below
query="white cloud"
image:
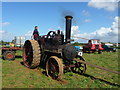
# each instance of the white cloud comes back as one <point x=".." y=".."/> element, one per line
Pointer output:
<point x="85" y="13"/>
<point x="87" y="20"/>
<point x="4" y="24"/>
<point x="6" y="36"/>
<point x="2" y="31"/>
<point x="28" y="35"/>
<point x="75" y="30"/>
<point x="105" y="34"/>
<point x="109" y="5"/>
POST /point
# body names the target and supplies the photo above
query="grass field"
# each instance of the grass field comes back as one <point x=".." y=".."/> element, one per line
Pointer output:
<point x="15" y="75"/>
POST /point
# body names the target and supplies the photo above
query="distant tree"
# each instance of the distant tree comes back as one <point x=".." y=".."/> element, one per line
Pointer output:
<point x="13" y="41"/>
<point x="76" y="44"/>
<point x="2" y="41"/>
<point x="102" y="43"/>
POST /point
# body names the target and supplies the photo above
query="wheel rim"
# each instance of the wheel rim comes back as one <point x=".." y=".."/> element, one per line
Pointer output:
<point x="28" y="54"/>
<point x="54" y="68"/>
<point x="9" y="56"/>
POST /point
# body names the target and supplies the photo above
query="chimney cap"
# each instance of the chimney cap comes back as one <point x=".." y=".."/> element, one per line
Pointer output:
<point x="68" y="17"/>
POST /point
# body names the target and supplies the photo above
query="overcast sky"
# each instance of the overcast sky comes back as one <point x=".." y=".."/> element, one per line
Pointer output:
<point x="92" y="20"/>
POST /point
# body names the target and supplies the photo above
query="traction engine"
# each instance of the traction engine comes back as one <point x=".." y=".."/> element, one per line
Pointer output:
<point x="55" y="52"/>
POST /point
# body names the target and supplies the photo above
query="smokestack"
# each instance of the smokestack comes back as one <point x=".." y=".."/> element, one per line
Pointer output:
<point x="68" y="28"/>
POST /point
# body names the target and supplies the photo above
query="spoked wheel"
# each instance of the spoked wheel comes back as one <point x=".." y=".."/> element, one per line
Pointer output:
<point x="31" y="54"/>
<point x="79" y="68"/>
<point x="54" y="68"/>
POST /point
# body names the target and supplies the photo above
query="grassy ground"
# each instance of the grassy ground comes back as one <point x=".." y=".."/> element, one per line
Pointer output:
<point x="15" y="75"/>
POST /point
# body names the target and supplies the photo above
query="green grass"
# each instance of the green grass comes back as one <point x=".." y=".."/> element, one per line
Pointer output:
<point x="15" y="75"/>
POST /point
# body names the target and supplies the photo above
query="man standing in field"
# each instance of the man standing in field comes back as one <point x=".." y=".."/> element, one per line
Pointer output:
<point x="36" y="33"/>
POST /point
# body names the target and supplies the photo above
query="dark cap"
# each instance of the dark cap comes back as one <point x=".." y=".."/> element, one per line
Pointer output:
<point x="36" y="27"/>
<point x="68" y="17"/>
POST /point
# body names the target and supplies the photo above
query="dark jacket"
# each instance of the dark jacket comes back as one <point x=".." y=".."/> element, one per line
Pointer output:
<point x="36" y="32"/>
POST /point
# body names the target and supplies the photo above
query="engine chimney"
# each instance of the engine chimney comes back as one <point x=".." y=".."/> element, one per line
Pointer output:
<point x="68" y="28"/>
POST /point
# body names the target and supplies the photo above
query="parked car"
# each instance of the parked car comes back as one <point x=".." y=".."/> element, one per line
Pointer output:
<point x="109" y="49"/>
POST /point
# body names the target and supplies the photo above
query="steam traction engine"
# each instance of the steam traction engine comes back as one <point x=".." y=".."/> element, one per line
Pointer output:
<point x="52" y="51"/>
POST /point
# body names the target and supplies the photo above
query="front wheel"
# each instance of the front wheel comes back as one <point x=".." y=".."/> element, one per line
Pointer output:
<point x="54" y="67"/>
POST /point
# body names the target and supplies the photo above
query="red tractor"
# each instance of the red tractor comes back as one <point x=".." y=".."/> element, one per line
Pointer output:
<point x="9" y="51"/>
<point x="92" y="46"/>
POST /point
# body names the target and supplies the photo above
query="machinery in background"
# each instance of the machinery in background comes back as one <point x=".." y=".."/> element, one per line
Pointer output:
<point x="109" y="49"/>
<point x="93" y="45"/>
<point x="8" y="52"/>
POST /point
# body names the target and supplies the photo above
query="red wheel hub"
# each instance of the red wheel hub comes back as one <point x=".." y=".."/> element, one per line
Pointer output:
<point x="9" y="55"/>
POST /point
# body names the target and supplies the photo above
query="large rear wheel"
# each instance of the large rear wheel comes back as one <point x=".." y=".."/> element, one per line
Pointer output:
<point x="31" y="54"/>
<point x="54" y="68"/>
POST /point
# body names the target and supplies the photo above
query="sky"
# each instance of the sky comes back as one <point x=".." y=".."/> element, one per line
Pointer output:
<point x="91" y="20"/>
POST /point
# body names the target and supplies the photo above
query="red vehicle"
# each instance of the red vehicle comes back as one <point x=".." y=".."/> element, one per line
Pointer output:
<point x="92" y="46"/>
<point x="8" y="53"/>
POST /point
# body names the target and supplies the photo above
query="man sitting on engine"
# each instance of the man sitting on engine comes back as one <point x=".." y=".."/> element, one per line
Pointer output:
<point x="36" y="33"/>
